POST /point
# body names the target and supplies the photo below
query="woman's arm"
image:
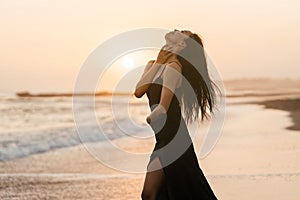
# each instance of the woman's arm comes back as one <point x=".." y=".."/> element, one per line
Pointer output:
<point x="146" y="78"/>
<point x="150" y="71"/>
<point x="172" y="78"/>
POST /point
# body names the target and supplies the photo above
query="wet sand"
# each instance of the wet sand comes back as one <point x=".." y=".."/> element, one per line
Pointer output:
<point x="290" y="105"/>
<point x="257" y="157"/>
<point x="252" y="160"/>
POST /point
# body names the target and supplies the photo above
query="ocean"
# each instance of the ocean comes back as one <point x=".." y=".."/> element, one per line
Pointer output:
<point x="31" y="125"/>
<point x="41" y="151"/>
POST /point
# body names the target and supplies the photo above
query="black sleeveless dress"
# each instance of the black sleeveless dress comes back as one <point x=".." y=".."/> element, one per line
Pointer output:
<point x="184" y="177"/>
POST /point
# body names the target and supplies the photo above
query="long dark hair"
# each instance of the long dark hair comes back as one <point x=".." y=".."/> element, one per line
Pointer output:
<point x="203" y="95"/>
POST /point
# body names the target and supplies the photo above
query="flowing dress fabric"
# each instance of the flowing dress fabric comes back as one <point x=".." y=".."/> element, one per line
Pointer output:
<point x="184" y="177"/>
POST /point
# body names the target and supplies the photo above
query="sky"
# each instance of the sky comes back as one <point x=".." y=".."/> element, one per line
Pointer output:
<point x="43" y="43"/>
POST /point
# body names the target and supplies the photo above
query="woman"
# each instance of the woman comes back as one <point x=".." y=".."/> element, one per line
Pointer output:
<point x="178" y="78"/>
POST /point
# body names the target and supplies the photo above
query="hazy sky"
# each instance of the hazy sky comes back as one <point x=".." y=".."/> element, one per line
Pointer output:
<point x="44" y="42"/>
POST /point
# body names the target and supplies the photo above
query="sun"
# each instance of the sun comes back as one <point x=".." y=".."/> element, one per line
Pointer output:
<point x="128" y="62"/>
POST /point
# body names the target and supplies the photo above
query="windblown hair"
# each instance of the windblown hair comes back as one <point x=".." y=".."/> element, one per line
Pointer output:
<point x="202" y="96"/>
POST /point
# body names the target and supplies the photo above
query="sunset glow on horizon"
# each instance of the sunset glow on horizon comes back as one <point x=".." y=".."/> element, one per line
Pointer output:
<point x="46" y="42"/>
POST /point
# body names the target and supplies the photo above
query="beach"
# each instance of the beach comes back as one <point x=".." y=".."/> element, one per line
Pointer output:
<point x="256" y="157"/>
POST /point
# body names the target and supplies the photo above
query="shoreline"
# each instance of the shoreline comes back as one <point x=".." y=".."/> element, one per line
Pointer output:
<point x="291" y="105"/>
<point x="237" y="87"/>
<point x="250" y="156"/>
<point x="102" y="93"/>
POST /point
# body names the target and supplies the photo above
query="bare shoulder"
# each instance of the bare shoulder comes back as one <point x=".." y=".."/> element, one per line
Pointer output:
<point x="150" y="62"/>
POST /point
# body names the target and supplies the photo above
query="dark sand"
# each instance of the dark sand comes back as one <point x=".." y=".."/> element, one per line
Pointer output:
<point x="43" y="187"/>
<point x="290" y="105"/>
<point x="251" y="160"/>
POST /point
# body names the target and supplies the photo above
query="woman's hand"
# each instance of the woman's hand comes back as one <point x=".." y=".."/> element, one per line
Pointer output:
<point x="163" y="56"/>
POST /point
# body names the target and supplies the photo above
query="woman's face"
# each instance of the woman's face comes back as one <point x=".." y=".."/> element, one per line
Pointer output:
<point x="177" y="38"/>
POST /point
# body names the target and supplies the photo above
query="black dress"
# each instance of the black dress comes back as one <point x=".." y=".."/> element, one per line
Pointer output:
<point x="184" y="177"/>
